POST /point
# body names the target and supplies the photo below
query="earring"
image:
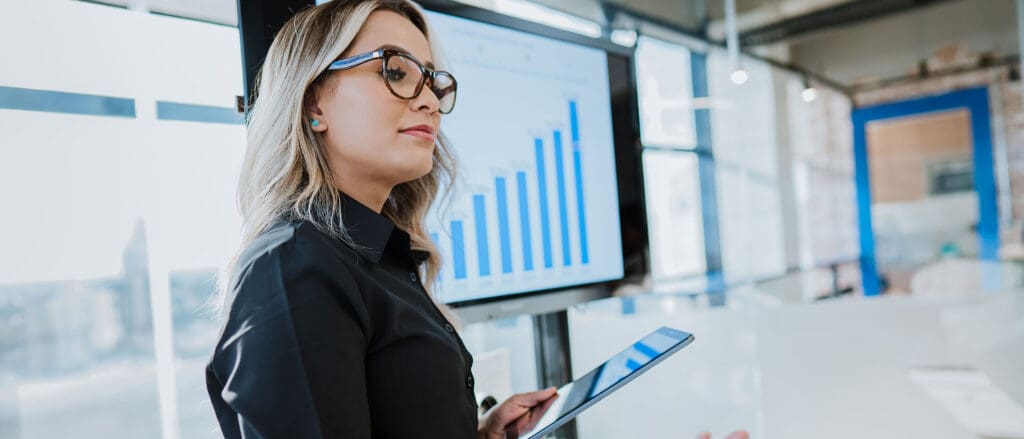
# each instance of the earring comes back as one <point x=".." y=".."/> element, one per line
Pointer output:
<point x="314" y="122"/>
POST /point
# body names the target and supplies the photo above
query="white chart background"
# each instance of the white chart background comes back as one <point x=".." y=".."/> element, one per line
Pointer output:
<point x="515" y="87"/>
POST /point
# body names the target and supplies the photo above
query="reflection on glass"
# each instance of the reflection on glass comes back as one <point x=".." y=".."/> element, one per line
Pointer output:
<point x="75" y="349"/>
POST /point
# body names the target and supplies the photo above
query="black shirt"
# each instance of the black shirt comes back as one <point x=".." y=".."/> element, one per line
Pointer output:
<point x="327" y="340"/>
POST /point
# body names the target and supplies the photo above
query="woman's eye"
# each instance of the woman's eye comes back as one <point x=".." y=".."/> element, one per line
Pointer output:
<point x="395" y="74"/>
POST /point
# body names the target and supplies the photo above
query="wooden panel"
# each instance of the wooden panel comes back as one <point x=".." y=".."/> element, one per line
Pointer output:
<point x="900" y="150"/>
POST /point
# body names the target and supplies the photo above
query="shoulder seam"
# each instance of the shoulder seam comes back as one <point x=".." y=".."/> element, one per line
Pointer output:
<point x="273" y="238"/>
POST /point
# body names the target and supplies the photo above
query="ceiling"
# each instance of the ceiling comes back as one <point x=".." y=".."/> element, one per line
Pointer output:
<point x="844" y="40"/>
<point x="693" y="15"/>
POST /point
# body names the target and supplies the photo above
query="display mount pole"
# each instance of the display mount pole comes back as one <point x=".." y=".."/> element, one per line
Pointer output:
<point x="554" y="363"/>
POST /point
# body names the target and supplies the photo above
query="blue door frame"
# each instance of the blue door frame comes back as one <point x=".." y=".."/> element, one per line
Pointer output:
<point x="975" y="100"/>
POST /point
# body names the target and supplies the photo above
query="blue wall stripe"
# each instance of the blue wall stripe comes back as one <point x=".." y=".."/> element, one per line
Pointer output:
<point x="974" y="100"/>
<point x="27" y="99"/>
<point x="197" y="113"/>
<point x="868" y="269"/>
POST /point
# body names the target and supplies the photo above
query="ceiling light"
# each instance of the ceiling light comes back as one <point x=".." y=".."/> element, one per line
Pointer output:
<point x="739" y="76"/>
<point x="809" y="92"/>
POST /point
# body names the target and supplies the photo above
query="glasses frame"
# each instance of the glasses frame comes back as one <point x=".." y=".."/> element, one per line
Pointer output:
<point x="385" y="55"/>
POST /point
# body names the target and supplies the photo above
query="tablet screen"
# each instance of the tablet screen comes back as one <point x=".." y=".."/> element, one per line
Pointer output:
<point x="609" y="376"/>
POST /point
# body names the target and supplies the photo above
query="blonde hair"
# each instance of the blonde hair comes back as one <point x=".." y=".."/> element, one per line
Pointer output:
<point x="285" y="173"/>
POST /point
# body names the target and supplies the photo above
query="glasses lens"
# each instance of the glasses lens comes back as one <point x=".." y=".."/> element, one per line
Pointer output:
<point x="403" y="76"/>
<point x="444" y="88"/>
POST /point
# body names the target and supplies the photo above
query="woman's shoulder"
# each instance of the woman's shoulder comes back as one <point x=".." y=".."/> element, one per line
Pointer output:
<point x="286" y="275"/>
<point x="293" y="248"/>
<point x="287" y="255"/>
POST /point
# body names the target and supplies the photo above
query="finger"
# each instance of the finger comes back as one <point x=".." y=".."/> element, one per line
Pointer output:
<point x="510" y="413"/>
<point x="704" y="435"/>
<point x="739" y="434"/>
<point x="516" y="409"/>
<point x="533" y="398"/>
<point x="529" y="421"/>
<point x="543" y="407"/>
<point x="537" y="413"/>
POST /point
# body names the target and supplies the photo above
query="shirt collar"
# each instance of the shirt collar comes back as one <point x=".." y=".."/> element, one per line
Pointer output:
<point x="374" y="233"/>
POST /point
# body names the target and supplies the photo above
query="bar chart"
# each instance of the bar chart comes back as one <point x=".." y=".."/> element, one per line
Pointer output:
<point x="501" y="190"/>
<point x="534" y="206"/>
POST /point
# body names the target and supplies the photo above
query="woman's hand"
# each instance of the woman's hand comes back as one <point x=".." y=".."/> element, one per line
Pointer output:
<point x="520" y="412"/>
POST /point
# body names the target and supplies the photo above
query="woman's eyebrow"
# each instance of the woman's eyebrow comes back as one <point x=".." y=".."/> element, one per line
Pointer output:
<point x="428" y="64"/>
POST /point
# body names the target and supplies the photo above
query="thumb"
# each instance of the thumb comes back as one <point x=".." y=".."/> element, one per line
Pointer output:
<point x="533" y="398"/>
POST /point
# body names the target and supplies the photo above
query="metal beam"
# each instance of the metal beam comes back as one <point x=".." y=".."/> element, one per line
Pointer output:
<point x="840" y="15"/>
<point x="612" y="9"/>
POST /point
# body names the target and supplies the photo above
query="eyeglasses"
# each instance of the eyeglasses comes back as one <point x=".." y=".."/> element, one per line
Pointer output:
<point x="405" y="76"/>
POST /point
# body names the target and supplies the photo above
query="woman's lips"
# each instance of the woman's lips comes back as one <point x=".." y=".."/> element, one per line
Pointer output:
<point x="421" y="134"/>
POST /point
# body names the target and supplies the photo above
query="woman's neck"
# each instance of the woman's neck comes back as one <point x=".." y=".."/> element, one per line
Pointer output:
<point x="367" y="196"/>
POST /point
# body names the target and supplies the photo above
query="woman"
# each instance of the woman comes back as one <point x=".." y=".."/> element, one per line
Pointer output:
<point x="330" y="331"/>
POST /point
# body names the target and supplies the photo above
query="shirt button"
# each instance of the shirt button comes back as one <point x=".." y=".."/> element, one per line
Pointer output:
<point x="469" y="382"/>
<point x="448" y="327"/>
<point x="412" y="277"/>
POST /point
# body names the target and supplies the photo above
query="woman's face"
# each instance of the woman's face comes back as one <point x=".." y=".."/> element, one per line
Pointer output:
<point x="364" y="127"/>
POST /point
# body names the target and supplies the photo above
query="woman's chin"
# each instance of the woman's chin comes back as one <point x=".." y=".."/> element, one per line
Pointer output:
<point x="417" y="171"/>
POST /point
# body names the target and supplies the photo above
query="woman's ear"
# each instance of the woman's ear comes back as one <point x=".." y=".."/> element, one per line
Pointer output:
<point x="314" y="115"/>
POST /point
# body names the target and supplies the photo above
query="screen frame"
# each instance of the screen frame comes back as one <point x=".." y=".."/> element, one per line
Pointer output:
<point x="558" y="298"/>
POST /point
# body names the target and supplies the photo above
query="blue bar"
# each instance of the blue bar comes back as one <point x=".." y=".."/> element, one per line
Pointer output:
<point x="506" y="247"/>
<point x="482" y="252"/>
<point x="574" y="124"/>
<point x="197" y="113"/>
<point x="458" y="250"/>
<point x="524" y="221"/>
<point x="542" y="190"/>
<point x="562" y="209"/>
<point x="27" y="99"/>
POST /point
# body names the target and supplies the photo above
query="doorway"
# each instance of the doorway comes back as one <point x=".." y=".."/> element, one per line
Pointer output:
<point x="925" y="184"/>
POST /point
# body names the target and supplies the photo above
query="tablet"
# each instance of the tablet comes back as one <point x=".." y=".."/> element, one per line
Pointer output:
<point x="608" y="377"/>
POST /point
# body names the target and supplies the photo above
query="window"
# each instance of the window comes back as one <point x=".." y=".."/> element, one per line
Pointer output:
<point x="674" y="214"/>
<point x="743" y="127"/>
<point x="121" y="153"/>
<point x="665" y="94"/>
